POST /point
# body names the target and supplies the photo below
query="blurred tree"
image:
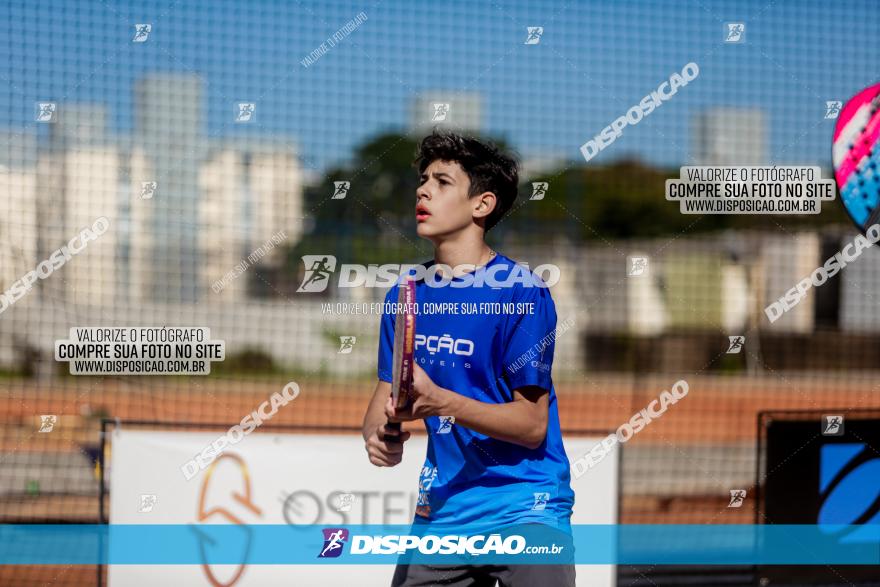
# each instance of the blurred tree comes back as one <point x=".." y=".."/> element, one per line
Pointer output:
<point x="381" y="197"/>
<point x="626" y="199"/>
<point x="375" y="223"/>
<point x="378" y="212"/>
<point x="621" y="200"/>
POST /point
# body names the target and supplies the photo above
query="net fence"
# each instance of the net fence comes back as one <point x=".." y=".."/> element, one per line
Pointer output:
<point x="187" y="164"/>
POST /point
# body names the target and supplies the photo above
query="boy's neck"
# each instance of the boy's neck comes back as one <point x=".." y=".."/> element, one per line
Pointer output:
<point x="463" y="251"/>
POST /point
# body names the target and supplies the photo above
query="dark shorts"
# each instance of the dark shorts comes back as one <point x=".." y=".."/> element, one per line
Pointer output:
<point x="483" y="575"/>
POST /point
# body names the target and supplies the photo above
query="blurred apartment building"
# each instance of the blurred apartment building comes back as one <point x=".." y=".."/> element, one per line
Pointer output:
<point x="18" y="213"/>
<point x="730" y="136"/>
<point x="251" y="192"/>
<point x="184" y="209"/>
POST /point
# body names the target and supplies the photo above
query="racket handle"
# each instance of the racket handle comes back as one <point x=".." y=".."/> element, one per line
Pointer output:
<point x="392" y="427"/>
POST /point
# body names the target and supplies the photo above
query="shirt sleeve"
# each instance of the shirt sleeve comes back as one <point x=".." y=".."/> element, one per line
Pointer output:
<point x="386" y="338"/>
<point x="531" y="341"/>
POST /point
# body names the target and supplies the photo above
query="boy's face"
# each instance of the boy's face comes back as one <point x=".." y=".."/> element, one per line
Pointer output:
<point x="442" y="204"/>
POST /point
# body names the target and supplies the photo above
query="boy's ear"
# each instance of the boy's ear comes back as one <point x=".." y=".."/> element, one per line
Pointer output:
<point x="484" y="204"/>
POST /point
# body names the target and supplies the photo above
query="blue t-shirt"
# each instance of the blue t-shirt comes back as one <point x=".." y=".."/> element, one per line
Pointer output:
<point x="484" y="352"/>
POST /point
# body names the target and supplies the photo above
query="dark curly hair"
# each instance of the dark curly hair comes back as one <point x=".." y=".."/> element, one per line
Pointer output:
<point x="488" y="169"/>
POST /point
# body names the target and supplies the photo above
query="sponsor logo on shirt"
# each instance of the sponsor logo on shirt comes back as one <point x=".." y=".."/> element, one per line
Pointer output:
<point x="541" y="366"/>
<point x="426" y="479"/>
<point x="438" y="347"/>
<point x="454" y="346"/>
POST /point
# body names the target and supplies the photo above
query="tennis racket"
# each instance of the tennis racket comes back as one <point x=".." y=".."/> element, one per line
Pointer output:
<point x="856" y="157"/>
<point x="404" y="343"/>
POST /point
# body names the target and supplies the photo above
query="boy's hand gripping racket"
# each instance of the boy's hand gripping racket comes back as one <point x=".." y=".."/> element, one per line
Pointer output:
<point x="404" y="343"/>
<point x="856" y="157"/>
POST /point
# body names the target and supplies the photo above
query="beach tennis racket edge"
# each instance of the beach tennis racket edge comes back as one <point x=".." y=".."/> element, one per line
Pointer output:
<point x="855" y="155"/>
<point x="404" y="344"/>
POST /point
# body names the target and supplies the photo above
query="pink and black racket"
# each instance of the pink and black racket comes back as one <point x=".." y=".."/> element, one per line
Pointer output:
<point x="404" y="344"/>
<point x="856" y="157"/>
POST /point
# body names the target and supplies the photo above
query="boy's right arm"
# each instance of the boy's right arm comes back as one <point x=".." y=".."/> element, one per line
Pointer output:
<point x="382" y="451"/>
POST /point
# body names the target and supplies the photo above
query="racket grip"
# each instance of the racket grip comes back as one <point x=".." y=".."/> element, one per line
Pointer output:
<point x="394" y="427"/>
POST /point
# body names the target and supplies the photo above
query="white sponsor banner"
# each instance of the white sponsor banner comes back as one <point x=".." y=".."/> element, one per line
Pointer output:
<point x="292" y="479"/>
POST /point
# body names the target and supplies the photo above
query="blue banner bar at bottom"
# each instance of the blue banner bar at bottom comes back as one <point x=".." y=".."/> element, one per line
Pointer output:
<point x="32" y="544"/>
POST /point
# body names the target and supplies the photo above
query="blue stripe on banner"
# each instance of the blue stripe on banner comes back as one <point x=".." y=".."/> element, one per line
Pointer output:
<point x="377" y="544"/>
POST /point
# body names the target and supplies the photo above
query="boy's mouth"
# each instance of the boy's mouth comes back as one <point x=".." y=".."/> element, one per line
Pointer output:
<point x="421" y="214"/>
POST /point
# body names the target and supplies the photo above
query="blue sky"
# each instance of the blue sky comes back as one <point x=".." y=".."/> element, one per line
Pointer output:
<point x="594" y="61"/>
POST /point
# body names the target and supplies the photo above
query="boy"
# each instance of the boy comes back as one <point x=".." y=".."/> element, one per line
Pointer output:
<point x="495" y="457"/>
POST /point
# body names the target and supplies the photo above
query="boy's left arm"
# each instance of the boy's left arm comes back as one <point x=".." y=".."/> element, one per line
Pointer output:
<point x="522" y="421"/>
